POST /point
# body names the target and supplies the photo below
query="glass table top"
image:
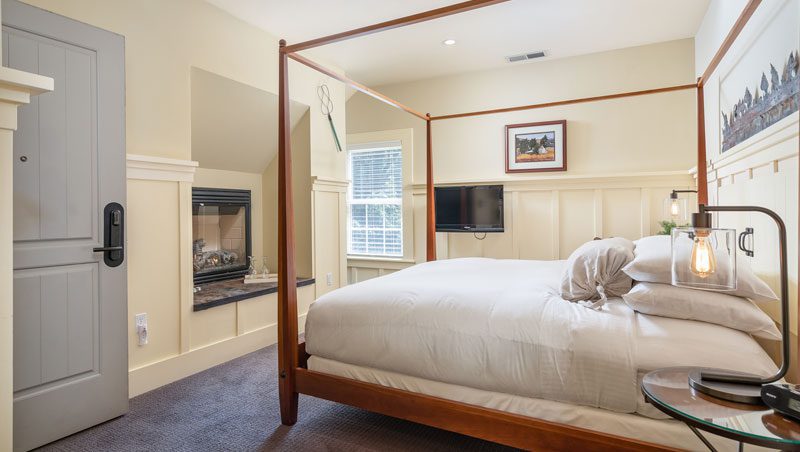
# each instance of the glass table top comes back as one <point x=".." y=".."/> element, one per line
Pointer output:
<point x="668" y="390"/>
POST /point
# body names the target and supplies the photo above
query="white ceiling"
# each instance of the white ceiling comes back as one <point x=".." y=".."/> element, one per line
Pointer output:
<point x="484" y="36"/>
<point x="235" y="126"/>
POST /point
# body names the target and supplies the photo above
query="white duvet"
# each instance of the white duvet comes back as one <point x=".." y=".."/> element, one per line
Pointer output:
<point x="500" y="325"/>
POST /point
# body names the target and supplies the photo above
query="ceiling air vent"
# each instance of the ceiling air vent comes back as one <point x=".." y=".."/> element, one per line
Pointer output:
<point x="524" y="56"/>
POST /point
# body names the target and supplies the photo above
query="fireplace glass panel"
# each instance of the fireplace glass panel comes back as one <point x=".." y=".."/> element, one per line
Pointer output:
<point x="220" y="239"/>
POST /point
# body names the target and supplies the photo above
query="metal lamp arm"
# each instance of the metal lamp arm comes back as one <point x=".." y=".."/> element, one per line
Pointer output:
<point x="674" y="194"/>
<point x="786" y="350"/>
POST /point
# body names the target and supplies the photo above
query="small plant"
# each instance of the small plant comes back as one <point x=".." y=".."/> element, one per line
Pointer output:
<point x="667" y="226"/>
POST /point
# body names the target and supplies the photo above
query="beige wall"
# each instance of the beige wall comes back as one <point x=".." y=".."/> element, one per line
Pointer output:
<point x="632" y="141"/>
<point x="658" y="130"/>
<point x="763" y="170"/>
<point x="164" y="40"/>
<point x="301" y="187"/>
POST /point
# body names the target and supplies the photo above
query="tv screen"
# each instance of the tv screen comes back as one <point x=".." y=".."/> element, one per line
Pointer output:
<point x="477" y="208"/>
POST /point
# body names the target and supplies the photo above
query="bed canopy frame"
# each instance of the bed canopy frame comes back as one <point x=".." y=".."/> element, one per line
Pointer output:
<point x="493" y="425"/>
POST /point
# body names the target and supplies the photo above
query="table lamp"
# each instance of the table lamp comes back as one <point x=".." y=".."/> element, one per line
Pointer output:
<point x="704" y="258"/>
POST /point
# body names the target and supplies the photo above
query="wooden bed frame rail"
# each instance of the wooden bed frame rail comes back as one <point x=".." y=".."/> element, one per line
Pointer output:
<point x="493" y="425"/>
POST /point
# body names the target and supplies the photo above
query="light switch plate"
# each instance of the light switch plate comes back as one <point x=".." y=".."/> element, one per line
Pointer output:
<point x="329" y="279"/>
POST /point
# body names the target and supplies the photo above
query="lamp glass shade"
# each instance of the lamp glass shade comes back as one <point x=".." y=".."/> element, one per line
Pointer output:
<point x="704" y="258"/>
<point x="675" y="209"/>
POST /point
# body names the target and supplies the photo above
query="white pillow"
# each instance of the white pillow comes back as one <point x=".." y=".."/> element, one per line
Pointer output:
<point x="594" y="271"/>
<point x="652" y="262"/>
<point x="705" y="306"/>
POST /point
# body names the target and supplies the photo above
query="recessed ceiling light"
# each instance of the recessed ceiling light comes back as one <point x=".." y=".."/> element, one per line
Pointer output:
<point x="449" y="42"/>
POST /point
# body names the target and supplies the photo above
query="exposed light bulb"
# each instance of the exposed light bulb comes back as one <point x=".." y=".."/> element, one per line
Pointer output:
<point x="449" y="42"/>
<point x="675" y="208"/>
<point x="703" y="263"/>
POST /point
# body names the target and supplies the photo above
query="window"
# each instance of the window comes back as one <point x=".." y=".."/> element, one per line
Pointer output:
<point x="375" y="200"/>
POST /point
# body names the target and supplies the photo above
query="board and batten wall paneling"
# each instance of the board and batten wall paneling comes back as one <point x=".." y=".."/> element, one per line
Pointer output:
<point x="181" y="341"/>
<point x="764" y="172"/>
<point x="549" y="217"/>
<point x="329" y="233"/>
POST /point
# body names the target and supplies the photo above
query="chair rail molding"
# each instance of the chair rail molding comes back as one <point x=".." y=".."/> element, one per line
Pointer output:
<point x="329" y="184"/>
<point x="147" y="167"/>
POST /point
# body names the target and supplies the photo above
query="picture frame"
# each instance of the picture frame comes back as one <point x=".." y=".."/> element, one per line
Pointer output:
<point x="536" y="147"/>
<point x="758" y="90"/>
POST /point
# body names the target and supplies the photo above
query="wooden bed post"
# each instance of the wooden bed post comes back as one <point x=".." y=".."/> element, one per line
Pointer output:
<point x="430" y="232"/>
<point x="702" y="176"/>
<point x="287" y="282"/>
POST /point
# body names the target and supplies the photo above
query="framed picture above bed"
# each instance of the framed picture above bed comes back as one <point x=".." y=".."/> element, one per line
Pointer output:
<point x="536" y="146"/>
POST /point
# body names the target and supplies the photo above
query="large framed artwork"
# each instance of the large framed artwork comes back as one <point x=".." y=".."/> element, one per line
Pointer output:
<point x="536" y="146"/>
<point x="761" y="88"/>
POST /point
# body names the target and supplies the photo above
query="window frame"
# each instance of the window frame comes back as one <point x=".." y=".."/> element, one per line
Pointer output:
<point x="402" y="138"/>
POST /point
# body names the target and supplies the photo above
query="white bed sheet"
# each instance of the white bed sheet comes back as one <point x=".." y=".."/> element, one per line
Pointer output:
<point x="666" y="432"/>
<point x="500" y="326"/>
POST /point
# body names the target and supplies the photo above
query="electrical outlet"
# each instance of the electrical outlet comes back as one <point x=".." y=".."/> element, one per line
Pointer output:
<point x="141" y="328"/>
<point x="329" y="279"/>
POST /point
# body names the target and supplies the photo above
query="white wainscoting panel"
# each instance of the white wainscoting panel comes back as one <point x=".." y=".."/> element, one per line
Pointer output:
<point x="763" y="171"/>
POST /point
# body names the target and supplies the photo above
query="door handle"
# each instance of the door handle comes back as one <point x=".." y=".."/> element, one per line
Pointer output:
<point x="113" y="248"/>
<point x="104" y="249"/>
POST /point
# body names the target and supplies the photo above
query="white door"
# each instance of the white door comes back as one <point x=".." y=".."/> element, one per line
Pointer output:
<point x="70" y="302"/>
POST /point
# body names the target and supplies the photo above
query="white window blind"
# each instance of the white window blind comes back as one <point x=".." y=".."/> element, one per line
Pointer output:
<point x="375" y="200"/>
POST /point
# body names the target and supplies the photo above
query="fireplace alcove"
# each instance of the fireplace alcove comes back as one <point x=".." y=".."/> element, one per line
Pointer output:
<point x="233" y="127"/>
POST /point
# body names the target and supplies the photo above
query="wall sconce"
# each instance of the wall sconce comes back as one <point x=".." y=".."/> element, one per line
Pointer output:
<point x="675" y="208"/>
<point x="705" y="258"/>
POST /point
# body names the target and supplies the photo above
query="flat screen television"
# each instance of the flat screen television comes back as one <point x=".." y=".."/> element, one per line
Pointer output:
<point x="476" y="208"/>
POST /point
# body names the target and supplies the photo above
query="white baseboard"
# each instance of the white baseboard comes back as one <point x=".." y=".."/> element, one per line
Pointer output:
<point x="157" y="374"/>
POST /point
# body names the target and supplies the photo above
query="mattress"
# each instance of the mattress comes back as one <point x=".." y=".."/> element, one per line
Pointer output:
<point x="500" y="326"/>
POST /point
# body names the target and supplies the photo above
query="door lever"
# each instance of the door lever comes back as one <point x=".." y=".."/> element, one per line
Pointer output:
<point x="105" y="249"/>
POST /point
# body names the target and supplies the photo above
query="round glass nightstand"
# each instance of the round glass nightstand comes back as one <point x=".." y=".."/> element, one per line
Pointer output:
<point x="669" y="391"/>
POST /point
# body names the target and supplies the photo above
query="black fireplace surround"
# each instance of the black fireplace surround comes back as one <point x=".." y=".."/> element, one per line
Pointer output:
<point x="221" y="235"/>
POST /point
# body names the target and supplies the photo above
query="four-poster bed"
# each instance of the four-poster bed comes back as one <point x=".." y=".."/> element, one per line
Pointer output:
<point x="494" y="425"/>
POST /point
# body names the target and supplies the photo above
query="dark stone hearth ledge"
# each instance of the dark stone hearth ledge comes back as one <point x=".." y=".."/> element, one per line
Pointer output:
<point x="219" y="293"/>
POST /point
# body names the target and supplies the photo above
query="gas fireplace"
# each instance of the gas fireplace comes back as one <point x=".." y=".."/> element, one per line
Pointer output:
<point x="220" y="233"/>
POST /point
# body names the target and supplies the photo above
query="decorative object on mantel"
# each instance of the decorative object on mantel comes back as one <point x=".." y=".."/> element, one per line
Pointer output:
<point x="261" y="278"/>
<point x="251" y="270"/>
<point x="264" y="268"/>
<point x="536" y="146"/>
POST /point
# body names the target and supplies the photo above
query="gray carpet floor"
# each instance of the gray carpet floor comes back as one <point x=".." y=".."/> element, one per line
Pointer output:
<point x="234" y="407"/>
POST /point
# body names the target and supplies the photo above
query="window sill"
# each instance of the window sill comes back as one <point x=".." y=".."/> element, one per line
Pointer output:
<point x="356" y="257"/>
<point x="379" y="262"/>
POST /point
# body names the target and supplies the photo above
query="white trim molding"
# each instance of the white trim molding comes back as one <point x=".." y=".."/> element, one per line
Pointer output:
<point x="146" y="167"/>
<point x="329" y="184"/>
<point x="574" y="181"/>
